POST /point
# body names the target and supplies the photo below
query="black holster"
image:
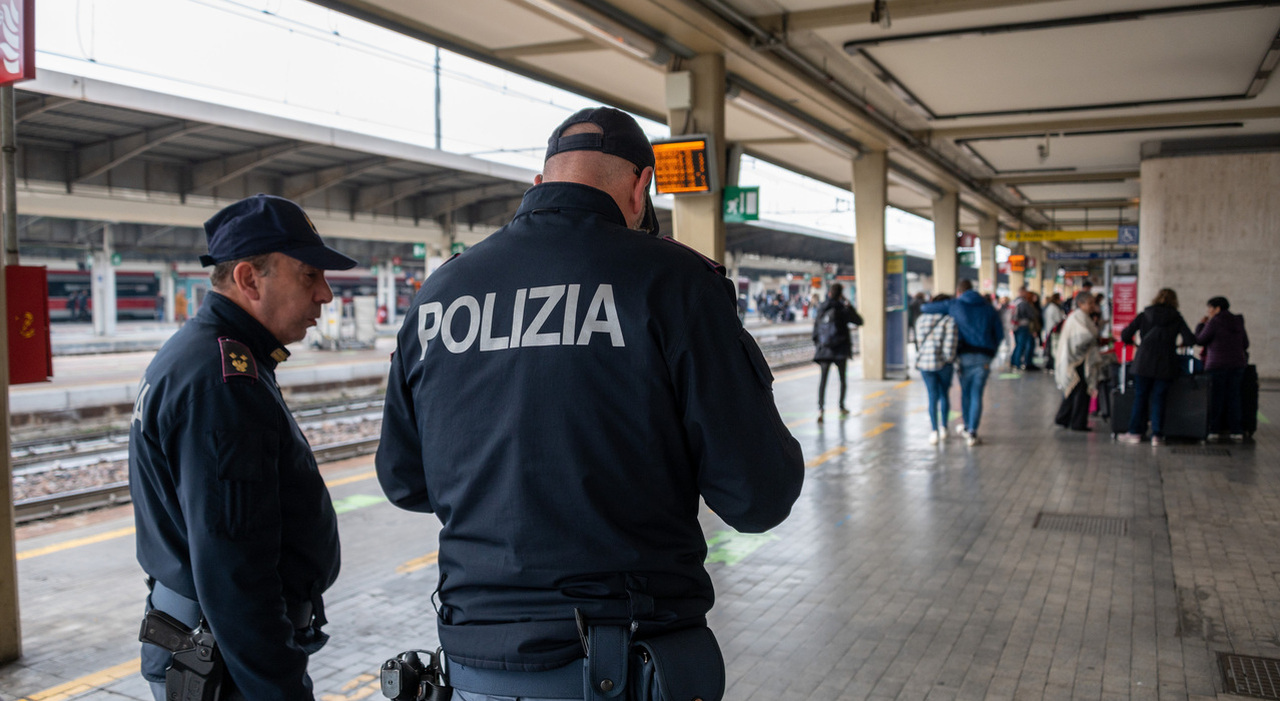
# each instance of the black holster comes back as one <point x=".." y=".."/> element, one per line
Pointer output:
<point x="197" y="670"/>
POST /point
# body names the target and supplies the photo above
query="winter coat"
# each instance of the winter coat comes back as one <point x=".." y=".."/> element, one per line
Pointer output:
<point x="1158" y="328"/>
<point x="1225" y="341"/>
<point x="977" y="321"/>
<point x="831" y="330"/>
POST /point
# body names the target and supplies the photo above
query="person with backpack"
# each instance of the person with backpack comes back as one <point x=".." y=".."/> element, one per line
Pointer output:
<point x="938" y="340"/>
<point x="832" y="345"/>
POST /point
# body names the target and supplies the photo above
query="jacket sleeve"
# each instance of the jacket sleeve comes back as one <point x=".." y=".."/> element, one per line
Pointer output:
<point x="1188" y="338"/>
<point x="1126" y="335"/>
<point x="750" y="469"/>
<point x="854" y="317"/>
<point x="943" y="307"/>
<point x="1205" y="332"/>
<point x="399" y="460"/>
<point x="227" y="447"/>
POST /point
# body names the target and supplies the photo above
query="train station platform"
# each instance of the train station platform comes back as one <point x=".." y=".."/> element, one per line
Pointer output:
<point x="1040" y="564"/>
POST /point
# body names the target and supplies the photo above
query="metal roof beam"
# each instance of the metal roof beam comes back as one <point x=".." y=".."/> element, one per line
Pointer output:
<point x="373" y="197"/>
<point x="860" y="13"/>
<point x="436" y="205"/>
<point x="1068" y="177"/>
<point x="1066" y="126"/>
<point x="572" y="46"/>
<point x="1083" y="204"/>
<point x="207" y="175"/>
<point x="302" y="185"/>
<point x="39" y="106"/>
<point x="95" y="159"/>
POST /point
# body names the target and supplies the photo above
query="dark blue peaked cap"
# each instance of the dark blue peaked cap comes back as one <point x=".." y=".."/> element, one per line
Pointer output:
<point x="268" y="224"/>
<point x="622" y="136"/>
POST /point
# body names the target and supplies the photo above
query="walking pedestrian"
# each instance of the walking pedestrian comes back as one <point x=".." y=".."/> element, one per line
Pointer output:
<point x="935" y="360"/>
<point x="980" y="330"/>
<point x="832" y="343"/>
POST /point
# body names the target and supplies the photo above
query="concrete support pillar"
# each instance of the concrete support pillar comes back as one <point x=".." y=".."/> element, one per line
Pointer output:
<point x="698" y="220"/>
<point x="870" y="185"/>
<point x="168" y="288"/>
<point x="946" y="222"/>
<point x="102" y="289"/>
<point x="988" y="229"/>
<point x="387" y="290"/>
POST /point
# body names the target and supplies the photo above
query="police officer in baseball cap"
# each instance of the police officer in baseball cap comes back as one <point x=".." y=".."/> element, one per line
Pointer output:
<point x="235" y="527"/>
<point x="562" y="396"/>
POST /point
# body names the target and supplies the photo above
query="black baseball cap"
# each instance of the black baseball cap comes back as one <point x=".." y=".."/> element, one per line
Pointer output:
<point x="268" y="224"/>
<point x="621" y="136"/>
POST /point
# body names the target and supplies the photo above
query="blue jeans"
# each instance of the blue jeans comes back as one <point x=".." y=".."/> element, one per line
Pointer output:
<point x="1225" y="414"/>
<point x="938" y="382"/>
<point x="1023" y="347"/>
<point x="974" y="369"/>
<point x="1148" y="390"/>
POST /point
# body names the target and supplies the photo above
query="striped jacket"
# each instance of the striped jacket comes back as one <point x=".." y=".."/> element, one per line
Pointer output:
<point x="937" y="341"/>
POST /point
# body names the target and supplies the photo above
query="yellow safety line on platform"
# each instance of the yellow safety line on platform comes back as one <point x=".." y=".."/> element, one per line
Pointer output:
<point x="122" y="532"/>
<point x="876" y="394"/>
<point x="826" y="456"/>
<point x="902" y="384"/>
<point x="878" y="430"/>
<point x="348" y="480"/>
<point x="418" y="563"/>
<point x="87" y="683"/>
<point x="799" y="376"/>
<point x="87" y="540"/>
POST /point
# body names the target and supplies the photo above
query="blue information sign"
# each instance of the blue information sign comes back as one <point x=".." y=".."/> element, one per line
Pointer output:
<point x="1127" y="235"/>
<point x="1092" y="255"/>
<point x="895" y="312"/>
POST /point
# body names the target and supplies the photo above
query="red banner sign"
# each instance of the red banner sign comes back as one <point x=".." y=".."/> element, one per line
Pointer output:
<point x="1124" y="309"/>
<point x="17" y="41"/>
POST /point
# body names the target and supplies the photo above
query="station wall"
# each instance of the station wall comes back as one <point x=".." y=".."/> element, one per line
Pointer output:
<point x="1210" y="225"/>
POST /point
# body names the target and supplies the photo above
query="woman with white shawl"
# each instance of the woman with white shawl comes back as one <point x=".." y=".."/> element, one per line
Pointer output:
<point x="1078" y="364"/>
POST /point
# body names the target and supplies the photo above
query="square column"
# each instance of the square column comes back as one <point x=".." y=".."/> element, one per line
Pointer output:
<point x="698" y="220"/>
<point x="946" y="222"/>
<point x="870" y="186"/>
<point x="987" y="270"/>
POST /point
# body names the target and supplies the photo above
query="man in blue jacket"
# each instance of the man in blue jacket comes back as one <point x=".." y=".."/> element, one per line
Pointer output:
<point x="562" y="395"/>
<point x="980" y="334"/>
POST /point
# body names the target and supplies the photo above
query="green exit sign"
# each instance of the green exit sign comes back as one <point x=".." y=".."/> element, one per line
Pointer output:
<point x="457" y="247"/>
<point x="419" y="250"/>
<point x="741" y="204"/>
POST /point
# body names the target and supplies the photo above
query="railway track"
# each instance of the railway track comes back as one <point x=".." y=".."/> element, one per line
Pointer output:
<point x="33" y="456"/>
<point x="75" y="501"/>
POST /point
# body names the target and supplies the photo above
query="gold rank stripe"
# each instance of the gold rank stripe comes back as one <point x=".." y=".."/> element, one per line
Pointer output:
<point x="87" y="683"/>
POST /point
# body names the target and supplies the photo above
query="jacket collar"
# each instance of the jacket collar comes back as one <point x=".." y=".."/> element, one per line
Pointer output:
<point x="566" y="195"/>
<point x="224" y="313"/>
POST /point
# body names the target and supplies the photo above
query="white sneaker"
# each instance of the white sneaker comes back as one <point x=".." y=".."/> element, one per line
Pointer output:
<point x="1237" y="438"/>
<point x="942" y="433"/>
<point x="973" y="440"/>
<point x="1212" y="438"/>
<point x="933" y="438"/>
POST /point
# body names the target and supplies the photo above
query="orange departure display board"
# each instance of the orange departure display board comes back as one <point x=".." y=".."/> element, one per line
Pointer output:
<point x="683" y="165"/>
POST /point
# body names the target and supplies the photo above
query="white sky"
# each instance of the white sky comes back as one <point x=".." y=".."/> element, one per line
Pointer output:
<point x="295" y="59"/>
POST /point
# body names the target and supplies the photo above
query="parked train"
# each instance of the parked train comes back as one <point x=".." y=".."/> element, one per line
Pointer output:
<point x="137" y="292"/>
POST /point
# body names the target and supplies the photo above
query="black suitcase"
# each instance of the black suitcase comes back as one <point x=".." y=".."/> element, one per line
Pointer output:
<point x="1186" y="407"/>
<point x="1249" y="401"/>
<point x="1121" y="409"/>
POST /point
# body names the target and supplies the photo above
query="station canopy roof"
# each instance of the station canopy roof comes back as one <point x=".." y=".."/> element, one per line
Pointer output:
<point x="1035" y="110"/>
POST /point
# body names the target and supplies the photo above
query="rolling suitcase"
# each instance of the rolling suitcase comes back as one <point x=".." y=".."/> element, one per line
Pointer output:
<point x="1186" y="407"/>
<point x="1249" y="401"/>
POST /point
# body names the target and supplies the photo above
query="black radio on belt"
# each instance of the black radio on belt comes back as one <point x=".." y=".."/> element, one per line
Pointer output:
<point x="406" y="678"/>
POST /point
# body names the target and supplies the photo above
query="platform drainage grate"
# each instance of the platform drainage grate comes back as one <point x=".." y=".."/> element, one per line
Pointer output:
<point x="1089" y="525"/>
<point x="1250" y="676"/>
<point x="1206" y="452"/>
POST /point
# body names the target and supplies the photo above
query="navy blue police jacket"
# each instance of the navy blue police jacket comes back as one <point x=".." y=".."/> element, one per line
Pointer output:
<point x="561" y="395"/>
<point x="230" y="507"/>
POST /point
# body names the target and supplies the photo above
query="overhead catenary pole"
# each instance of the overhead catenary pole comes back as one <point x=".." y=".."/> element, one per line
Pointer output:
<point x="10" y="625"/>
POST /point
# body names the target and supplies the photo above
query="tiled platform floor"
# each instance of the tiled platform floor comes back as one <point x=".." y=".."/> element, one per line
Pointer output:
<point x="907" y="571"/>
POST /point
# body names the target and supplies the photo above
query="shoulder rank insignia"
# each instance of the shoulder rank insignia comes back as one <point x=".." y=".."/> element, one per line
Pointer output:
<point x="237" y="361"/>
<point x="708" y="261"/>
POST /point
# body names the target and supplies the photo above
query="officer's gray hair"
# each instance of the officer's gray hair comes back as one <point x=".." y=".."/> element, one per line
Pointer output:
<point x="221" y="275"/>
<point x="1083" y="297"/>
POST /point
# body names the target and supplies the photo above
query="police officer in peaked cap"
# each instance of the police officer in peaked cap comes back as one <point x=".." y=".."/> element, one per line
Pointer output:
<point x="561" y="396"/>
<point x="235" y="527"/>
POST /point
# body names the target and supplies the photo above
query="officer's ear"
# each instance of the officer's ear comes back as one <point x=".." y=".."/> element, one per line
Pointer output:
<point x="640" y="191"/>
<point x="246" y="280"/>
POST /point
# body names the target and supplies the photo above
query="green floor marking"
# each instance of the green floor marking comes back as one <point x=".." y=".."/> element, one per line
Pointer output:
<point x="954" y="415"/>
<point x="356" y="501"/>
<point x="1010" y="376"/>
<point x="1263" y="419"/>
<point x="730" y="547"/>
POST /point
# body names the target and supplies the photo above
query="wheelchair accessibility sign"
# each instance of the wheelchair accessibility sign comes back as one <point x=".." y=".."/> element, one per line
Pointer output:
<point x="1127" y="236"/>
